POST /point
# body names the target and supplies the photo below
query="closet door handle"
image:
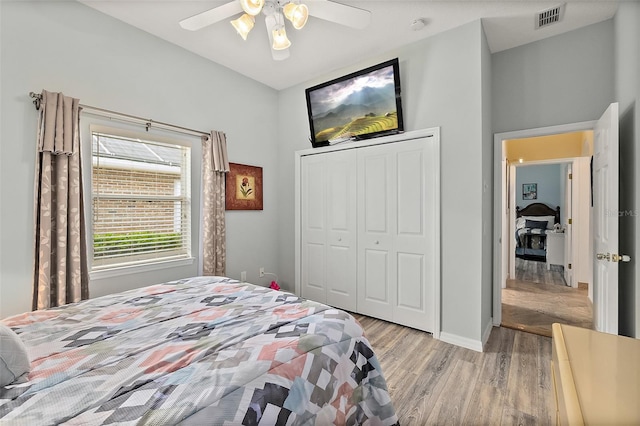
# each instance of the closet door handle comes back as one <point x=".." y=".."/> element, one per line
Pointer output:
<point x="376" y="242"/>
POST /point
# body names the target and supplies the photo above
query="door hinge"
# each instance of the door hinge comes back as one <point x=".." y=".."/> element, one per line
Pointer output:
<point x="570" y="221"/>
<point x="570" y="175"/>
<point x="569" y="266"/>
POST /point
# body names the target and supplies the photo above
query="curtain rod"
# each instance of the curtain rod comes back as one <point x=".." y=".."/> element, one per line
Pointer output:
<point x="37" y="101"/>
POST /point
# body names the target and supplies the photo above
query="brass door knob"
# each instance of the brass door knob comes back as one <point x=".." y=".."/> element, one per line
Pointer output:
<point x="620" y="258"/>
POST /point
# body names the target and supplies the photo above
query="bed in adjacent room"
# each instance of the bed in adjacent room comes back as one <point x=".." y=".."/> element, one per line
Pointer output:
<point x="203" y="350"/>
<point x="532" y="224"/>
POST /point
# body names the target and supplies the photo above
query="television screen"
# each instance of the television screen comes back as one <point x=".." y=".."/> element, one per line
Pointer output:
<point x="360" y="105"/>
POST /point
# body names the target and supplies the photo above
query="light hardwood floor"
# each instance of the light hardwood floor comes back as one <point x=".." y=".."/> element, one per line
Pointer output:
<point x="432" y="382"/>
<point x="537" y="298"/>
<point x="537" y="272"/>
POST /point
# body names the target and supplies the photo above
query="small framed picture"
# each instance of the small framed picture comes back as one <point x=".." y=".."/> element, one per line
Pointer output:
<point x="529" y="191"/>
<point x="243" y="187"/>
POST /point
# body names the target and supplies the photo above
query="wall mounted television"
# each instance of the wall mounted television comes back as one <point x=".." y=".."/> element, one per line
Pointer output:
<point x="361" y="105"/>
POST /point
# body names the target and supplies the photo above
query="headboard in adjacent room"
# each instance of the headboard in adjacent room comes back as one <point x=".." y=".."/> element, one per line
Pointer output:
<point x="538" y="209"/>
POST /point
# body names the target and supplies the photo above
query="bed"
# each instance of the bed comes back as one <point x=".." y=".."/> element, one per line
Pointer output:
<point x="532" y="224"/>
<point x="203" y="350"/>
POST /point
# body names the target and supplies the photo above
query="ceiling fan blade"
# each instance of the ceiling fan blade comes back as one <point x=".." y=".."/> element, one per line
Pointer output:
<point x="339" y="13"/>
<point x="277" y="55"/>
<point x="211" y="16"/>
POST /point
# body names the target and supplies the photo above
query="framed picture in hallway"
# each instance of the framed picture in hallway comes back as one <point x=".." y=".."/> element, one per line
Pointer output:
<point x="529" y="191"/>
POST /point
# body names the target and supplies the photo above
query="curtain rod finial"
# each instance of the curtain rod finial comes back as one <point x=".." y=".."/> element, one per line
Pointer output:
<point x="37" y="99"/>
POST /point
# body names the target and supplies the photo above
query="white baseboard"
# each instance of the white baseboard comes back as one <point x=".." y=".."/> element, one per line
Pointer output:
<point x="454" y="339"/>
<point x="474" y="345"/>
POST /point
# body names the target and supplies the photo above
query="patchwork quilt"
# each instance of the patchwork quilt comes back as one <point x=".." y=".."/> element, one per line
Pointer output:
<point x="203" y="350"/>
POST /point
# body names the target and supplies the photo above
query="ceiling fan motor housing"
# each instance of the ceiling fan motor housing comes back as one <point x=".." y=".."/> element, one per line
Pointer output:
<point x="270" y="7"/>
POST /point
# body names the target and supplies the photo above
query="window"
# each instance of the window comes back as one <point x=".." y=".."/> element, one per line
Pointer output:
<point x="141" y="201"/>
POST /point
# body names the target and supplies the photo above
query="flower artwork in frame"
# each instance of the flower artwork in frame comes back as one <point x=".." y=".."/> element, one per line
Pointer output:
<point x="243" y="187"/>
<point x="529" y="191"/>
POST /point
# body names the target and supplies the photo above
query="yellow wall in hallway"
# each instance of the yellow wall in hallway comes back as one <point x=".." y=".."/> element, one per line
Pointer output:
<point x="567" y="145"/>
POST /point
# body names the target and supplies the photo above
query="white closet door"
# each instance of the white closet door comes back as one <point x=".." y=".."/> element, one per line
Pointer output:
<point x="313" y="228"/>
<point x="341" y="229"/>
<point x="329" y="228"/>
<point x="396" y="238"/>
<point x="376" y="263"/>
<point x="415" y="247"/>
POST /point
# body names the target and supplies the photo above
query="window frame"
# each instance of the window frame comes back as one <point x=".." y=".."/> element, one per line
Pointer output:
<point x="107" y="271"/>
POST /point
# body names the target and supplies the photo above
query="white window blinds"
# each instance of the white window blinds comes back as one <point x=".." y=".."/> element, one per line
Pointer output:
<point x="141" y="201"/>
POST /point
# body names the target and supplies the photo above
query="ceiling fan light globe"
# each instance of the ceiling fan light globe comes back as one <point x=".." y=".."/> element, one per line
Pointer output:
<point x="280" y="39"/>
<point x="252" y="7"/>
<point x="297" y="14"/>
<point x="243" y="25"/>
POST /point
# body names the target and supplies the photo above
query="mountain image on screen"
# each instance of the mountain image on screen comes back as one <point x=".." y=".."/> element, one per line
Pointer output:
<point x="355" y="107"/>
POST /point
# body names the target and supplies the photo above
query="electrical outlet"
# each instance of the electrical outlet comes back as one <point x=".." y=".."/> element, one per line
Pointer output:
<point x="261" y="272"/>
<point x="243" y="276"/>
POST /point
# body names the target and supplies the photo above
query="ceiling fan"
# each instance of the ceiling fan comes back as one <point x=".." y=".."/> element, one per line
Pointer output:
<point x="275" y="12"/>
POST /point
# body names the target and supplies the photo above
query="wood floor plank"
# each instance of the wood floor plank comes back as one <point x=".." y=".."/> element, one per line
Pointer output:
<point x="497" y="359"/>
<point x="546" y="405"/>
<point x="533" y="307"/>
<point x="486" y="406"/>
<point x="512" y="416"/>
<point x="522" y="387"/>
<point x="451" y="405"/>
<point x="534" y="271"/>
<point x="431" y="378"/>
<point x="432" y="382"/>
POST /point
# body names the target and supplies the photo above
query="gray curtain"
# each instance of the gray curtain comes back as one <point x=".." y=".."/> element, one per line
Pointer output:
<point x="215" y="165"/>
<point x="60" y="272"/>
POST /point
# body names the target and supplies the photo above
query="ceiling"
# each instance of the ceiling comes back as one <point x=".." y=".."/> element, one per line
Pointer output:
<point x="322" y="46"/>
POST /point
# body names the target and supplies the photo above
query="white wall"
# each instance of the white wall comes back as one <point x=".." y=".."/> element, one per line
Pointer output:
<point x="68" y="47"/>
<point x="441" y="87"/>
<point x="558" y="80"/>
<point x="627" y="92"/>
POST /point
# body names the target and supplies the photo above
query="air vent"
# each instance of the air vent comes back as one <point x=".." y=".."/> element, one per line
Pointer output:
<point x="549" y="16"/>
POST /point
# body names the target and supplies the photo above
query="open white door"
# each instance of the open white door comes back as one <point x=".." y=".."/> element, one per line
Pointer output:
<point x="605" y="206"/>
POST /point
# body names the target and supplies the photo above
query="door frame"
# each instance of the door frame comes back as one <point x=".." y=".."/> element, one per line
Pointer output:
<point x="575" y="215"/>
<point x="501" y="203"/>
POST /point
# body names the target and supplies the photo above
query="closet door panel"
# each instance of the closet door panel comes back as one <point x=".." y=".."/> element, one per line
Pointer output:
<point x="376" y="261"/>
<point x="314" y="273"/>
<point x="313" y="199"/>
<point x="313" y="228"/>
<point x="410" y="281"/>
<point x="410" y="227"/>
<point x="341" y="279"/>
<point x="375" y="185"/>
<point x="410" y="189"/>
<point x="341" y="229"/>
<point x="374" y="296"/>
<point x="415" y="225"/>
